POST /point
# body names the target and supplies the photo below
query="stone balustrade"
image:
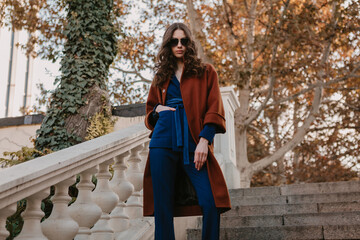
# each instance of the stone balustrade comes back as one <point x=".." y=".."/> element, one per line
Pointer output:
<point x="113" y="208"/>
<point x="100" y="211"/>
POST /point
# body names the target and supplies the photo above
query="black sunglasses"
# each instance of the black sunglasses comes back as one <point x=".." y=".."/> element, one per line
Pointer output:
<point x="175" y="41"/>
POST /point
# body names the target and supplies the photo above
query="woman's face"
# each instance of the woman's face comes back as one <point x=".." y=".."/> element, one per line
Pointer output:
<point x="178" y="43"/>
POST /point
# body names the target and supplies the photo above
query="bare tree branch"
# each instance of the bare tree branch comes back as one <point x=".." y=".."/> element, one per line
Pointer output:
<point x="195" y="27"/>
<point x="246" y="6"/>
<point x="229" y="19"/>
<point x="332" y="127"/>
<point x="261" y="132"/>
<point x="302" y="131"/>
<point x="318" y="84"/>
<point x="298" y="136"/>
<point x="143" y="79"/>
<point x="179" y="1"/>
<point x="250" y="34"/>
<point x="232" y="35"/>
<point x="148" y="66"/>
<point x="271" y="77"/>
<point x="355" y="108"/>
<point x="349" y="151"/>
<point x="345" y="89"/>
<point x="312" y="86"/>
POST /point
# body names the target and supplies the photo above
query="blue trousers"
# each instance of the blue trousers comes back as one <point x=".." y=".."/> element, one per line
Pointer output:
<point x="163" y="164"/>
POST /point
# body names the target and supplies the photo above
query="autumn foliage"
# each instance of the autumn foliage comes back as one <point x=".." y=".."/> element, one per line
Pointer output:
<point x="295" y="65"/>
<point x="321" y="169"/>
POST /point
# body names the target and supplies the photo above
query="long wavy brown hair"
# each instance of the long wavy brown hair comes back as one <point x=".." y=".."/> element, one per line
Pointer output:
<point x="166" y="63"/>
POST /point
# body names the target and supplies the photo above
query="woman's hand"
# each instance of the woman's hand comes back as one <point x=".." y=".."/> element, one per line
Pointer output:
<point x="201" y="153"/>
<point x="161" y="108"/>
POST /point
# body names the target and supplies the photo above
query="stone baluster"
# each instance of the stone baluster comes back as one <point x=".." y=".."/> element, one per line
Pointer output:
<point x="107" y="200"/>
<point x="32" y="216"/>
<point x="4" y="214"/>
<point x="135" y="176"/>
<point x="84" y="211"/>
<point x="144" y="155"/>
<point x="59" y="225"/>
<point x="123" y="188"/>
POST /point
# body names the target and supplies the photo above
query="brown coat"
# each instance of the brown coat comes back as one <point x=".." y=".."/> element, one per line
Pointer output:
<point x="203" y="104"/>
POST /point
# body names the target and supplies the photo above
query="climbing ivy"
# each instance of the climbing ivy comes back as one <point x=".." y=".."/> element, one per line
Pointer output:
<point x="100" y="124"/>
<point x="23" y="155"/>
<point x="88" y="52"/>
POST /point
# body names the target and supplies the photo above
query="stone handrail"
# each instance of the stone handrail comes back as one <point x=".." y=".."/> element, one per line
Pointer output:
<point x="114" y="209"/>
<point x="32" y="181"/>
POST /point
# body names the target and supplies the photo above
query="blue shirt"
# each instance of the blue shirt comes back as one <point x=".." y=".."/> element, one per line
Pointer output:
<point x="167" y="128"/>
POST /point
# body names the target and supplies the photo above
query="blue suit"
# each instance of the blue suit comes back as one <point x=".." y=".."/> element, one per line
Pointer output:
<point x="171" y="151"/>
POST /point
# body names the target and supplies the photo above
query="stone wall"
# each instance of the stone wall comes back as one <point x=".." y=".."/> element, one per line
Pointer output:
<point x="17" y="132"/>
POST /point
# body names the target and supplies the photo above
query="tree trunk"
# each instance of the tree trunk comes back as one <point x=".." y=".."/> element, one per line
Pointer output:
<point x="97" y="101"/>
<point x="195" y="28"/>
<point x="242" y="112"/>
<point x="245" y="168"/>
<point x="81" y="93"/>
<point x="242" y="161"/>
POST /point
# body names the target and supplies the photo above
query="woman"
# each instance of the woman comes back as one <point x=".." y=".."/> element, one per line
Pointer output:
<point x="184" y="111"/>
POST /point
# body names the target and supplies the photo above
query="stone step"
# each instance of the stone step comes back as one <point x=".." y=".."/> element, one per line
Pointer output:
<point x="325" y="198"/>
<point x="299" y="189"/>
<point x="342" y="232"/>
<point x="339" y="207"/>
<point x="265" y="233"/>
<point x="284" y="232"/>
<point x="281" y="209"/>
<point x="258" y="200"/>
<point x="255" y="191"/>
<point x="252" y="221"/>
<point x="342" y="218"/>
<point x="278" y="209"/>
<point x="326" y="187"/>
<point x="295" y="199"/>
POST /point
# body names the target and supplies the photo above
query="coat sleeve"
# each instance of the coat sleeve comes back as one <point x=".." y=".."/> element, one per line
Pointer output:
<point x="215" y="109"/>
<point x="151" y="102"/>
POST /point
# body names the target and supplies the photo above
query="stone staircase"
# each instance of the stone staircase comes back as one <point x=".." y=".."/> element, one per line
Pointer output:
<point x="298" y="211"/>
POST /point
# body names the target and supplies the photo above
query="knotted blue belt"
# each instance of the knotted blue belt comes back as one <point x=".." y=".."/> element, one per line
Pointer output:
<point x="181" y="141"/>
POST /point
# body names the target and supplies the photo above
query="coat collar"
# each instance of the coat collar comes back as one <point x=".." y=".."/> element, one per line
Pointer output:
<point x="163" y="91"/>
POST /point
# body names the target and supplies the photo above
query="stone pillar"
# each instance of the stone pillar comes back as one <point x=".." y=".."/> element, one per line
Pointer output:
<point x="59" y="225"/>
<point x="144" y="155"/>
<point x="225" y="150"/>
<point x="10" y="94"/>
<point x="4" y="214"/>
<point x="107" y="200"/>
<point x="123" y="188"/>
<point x="32" y="217"/>
<point x="84" y="211"/>
<point x="28" y="81"/>
<point x="135" y="176"/>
